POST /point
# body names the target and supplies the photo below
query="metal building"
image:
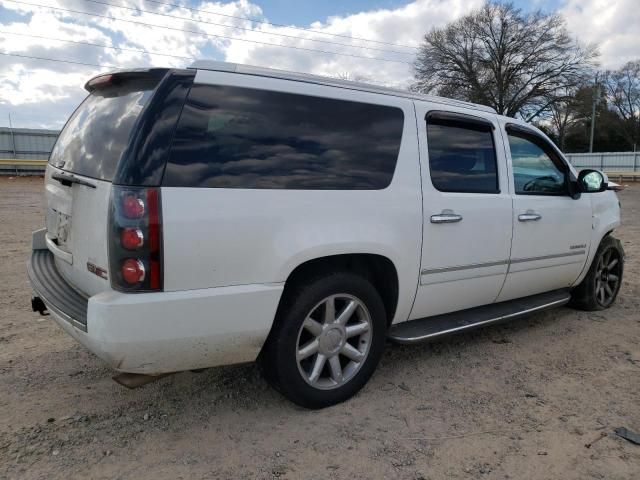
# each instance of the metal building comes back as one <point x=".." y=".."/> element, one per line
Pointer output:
<point x="25" y="150"/>
<point x="607" y="161"/>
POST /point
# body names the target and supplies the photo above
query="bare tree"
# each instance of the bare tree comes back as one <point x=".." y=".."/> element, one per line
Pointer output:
<point x="518" y="63"/>
<point x="623" y="92"/>
<point x="563" y="114"/>
<point x="353" y="77"/>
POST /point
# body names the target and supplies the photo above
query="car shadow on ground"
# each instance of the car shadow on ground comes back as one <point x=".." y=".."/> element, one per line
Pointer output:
<point x="242" y="387"/>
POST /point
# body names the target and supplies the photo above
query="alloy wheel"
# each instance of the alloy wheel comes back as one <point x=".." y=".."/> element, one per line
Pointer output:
<point x="334" y="341"/>
<point x="607" y="277"/>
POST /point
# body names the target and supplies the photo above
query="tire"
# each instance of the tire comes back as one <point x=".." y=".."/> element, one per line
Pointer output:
<point x="303" y="325"/>
<point x="599" y="288"/>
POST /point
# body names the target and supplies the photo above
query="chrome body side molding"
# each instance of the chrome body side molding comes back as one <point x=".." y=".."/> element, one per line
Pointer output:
<point x="502" y="262"/>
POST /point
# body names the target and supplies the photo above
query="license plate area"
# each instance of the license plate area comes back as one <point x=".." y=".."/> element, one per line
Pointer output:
<point x="59" y="227"/>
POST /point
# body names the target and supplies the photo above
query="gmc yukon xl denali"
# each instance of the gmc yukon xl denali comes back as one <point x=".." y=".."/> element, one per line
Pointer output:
<point x="226" y="213"/>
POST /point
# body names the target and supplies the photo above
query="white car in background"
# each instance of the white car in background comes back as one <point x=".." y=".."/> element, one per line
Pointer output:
<point x="228" y="213"/>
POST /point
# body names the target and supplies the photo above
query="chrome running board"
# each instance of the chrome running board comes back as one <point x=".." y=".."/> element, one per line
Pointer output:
<point x="425" y="329"/>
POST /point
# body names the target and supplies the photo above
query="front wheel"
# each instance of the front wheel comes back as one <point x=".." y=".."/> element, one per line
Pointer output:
<point x="327" y="340"/>
<point x="601" y="285"/>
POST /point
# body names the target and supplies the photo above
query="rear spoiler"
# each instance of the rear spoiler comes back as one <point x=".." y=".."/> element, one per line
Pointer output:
<point x="120" y="76"/>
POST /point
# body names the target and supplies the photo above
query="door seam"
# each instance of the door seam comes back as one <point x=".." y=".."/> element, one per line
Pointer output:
<point x="507" y="158"/>
<point x="419" y="279"/>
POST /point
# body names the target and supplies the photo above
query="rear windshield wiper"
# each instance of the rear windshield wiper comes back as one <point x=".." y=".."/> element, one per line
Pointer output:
<point x="67" y="180"/>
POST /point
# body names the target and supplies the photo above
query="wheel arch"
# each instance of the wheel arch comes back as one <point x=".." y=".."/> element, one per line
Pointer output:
<point x="592" y="254"/>
<point x="380" y="270"/>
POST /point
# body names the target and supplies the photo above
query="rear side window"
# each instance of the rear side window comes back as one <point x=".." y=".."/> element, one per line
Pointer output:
<point x="230" y="137"/>
<point x="462" y="156"/>
<point x="96" y="135"/>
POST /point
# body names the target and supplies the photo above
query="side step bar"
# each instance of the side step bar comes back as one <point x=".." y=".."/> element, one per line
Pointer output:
<point x="425" y="329"/>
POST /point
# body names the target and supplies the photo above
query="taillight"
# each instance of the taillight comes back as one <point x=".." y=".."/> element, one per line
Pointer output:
<point x="133" y="271"/>
<point x="131" y="238"/>
<point x="135" y="240"/>
<point x="99" y="81"/>
<point x="132" y="206"/>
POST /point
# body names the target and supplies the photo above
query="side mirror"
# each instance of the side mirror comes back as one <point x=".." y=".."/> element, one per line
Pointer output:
<point x="591" y="181"/>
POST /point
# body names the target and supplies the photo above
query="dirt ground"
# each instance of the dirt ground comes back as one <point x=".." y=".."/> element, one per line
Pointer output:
<point x="513" y="401"/>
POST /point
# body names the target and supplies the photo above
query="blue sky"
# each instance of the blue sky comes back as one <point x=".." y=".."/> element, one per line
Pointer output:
<point x="305" y="12"/>
<point x="345" y="40"/>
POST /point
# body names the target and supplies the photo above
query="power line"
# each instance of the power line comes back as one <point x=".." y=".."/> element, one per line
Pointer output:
<point x="263" y="22"/>
<point x="211" y="35"/>
<point x="101" y="45"/>
<point x="137" y="9"/>
<point x="31" y="57"/>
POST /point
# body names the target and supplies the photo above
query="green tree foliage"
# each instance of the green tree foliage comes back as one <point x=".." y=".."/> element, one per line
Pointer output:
<point x="608" y="136"/>
<point x="617" y="119"/>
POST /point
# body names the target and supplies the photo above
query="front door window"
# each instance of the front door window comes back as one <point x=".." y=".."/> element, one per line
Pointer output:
<point x="535" y="172"/>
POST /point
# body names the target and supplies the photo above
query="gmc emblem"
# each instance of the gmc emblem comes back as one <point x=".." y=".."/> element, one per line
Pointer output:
<point x="99" y="271"/>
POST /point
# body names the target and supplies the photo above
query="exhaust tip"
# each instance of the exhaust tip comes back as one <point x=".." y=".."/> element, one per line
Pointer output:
<point x="37" y="305"/>
<point x="135" y="380"/>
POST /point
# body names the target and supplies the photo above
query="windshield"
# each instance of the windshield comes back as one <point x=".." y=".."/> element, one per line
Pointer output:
<point x="97" y="134"/>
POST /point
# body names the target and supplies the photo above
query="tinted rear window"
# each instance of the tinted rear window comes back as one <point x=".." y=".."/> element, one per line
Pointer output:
<point x="98" y="132"/>
<point x="230" y="137"/>
<point x="462" y="157"/>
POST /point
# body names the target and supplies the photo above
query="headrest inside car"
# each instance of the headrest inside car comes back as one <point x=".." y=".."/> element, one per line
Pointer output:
<point x="454" y="163"/>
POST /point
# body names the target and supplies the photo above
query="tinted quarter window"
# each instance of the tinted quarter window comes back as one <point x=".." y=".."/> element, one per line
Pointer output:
<point x="462" y="157"/>
<point x="534" y="171"/>
<point x="230" y="137"/>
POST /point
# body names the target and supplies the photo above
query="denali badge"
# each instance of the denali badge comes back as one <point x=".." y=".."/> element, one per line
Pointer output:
<point x="99" y="271"/>
<point x="576" y="247"/>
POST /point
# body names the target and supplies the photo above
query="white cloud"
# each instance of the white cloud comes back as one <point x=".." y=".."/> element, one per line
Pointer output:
<point x="613" y="24"/>
<point x="402" y="26"/>
<point x="40" y="93"/>
<point x="43" y="94"/>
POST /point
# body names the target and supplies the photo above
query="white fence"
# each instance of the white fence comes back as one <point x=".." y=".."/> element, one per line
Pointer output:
<point x="608" y="162"/>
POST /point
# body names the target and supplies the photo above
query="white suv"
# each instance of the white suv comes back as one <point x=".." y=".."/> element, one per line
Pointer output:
<point x="227" y="213"/>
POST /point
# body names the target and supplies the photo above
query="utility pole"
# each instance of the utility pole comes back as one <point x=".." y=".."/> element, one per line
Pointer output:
<point x="596" y="94"/>
<point x="13" y="139"/>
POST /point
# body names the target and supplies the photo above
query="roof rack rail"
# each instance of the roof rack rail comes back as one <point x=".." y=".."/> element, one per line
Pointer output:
<point x="332" y="82"/>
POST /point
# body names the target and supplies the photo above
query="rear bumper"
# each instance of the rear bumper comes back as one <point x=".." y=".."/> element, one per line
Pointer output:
<point x="58" y="295"/>
<point x="162" y="332"/>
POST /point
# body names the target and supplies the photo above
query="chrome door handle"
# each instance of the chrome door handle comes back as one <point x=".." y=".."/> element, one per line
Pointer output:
<point x="447" y="216"/>
<point x="529" y="216"/>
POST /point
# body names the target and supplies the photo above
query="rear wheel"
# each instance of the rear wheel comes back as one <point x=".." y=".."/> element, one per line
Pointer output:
<point x="601" y="285"/>
<point x="327" y="340"/>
